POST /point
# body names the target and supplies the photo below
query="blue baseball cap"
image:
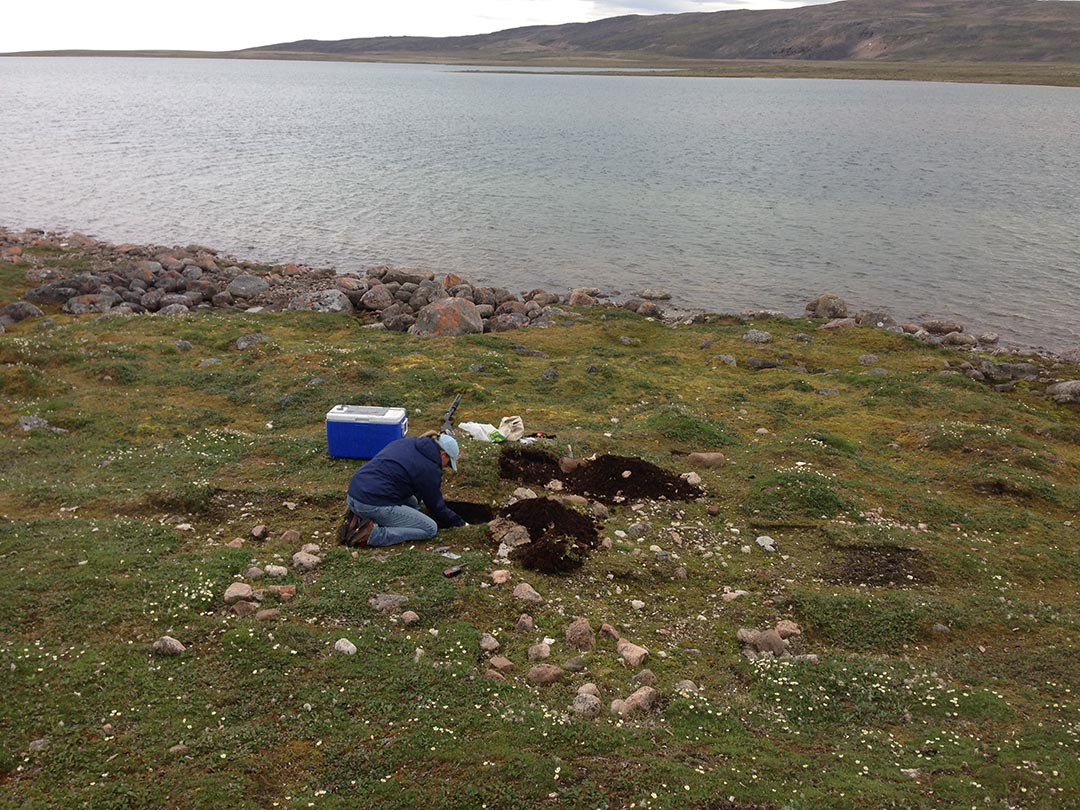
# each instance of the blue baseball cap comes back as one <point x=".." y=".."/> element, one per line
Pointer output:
<point x="450" y="446"/>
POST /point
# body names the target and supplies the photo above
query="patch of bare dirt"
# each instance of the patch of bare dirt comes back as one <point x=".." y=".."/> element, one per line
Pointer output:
<point x="882" y="565"/>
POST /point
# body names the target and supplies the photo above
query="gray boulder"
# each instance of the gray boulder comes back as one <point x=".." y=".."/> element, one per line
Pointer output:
<point x="880" y="319"/>
<point x="654" y="295"/>
<point x="839" y="323"/>
<point x="21" y="310"/>
<point x="322" y="301"/>
<point x="387" y="602"/>
<point x="827" y="306"/>
<point x="959" y="339"/>
<point x="245" y="342"/>
<point x="939" y="327"/>
<point x="649" y="310"/>
<point x="167" y="645"/>
<point x="581" y="298"/>
<point x="427" y="292"/>
<point x="1065" y="393"/>
<point x="406" y="277"/>
<point x="247" y="285"/>
<point x="378" y="298"/>
<point x="92" y="302"/>
<point x="55" y="293"/>
<point x="759" y="363"/>
<point x="587" y="705"/>
<point x="508" y="321"/>
<point x="174" y="310"/>
<point x="1006" y="372"/>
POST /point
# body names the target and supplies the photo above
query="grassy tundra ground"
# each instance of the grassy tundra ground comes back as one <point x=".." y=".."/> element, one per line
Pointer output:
<point x="927" y="534"/>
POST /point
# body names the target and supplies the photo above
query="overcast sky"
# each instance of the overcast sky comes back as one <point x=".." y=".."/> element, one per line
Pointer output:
<point x="220" y="25"/>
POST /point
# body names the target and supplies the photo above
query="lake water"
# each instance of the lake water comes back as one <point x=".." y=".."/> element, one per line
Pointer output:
<point x="942" y="200"/>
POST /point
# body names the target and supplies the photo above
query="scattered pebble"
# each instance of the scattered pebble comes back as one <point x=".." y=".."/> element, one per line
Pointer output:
<point x="167" y="645"/>
<point x="545" y="674"/>
<point x="586" y="705"/>
<point x="305" y="561"/>
<point x="345" y="646"/>
<point x="526" y="593"/>
<point x="237" y="591"/>
<point x="632" y="654"/>
<point x="388" y="602"/>
<point x="767" y="543"/>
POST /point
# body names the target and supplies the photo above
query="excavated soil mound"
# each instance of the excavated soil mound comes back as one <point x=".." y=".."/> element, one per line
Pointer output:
<point x="611" y="479"/>
<point x="614" y="479"/>
<point x="527" y="464"/>
<point x="560" y="537"/>
<point x="543" y="516"/>
<point x="882" y="565"/>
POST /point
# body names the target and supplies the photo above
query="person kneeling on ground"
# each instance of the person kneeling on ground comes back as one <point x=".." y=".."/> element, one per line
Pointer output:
<point x="385" y="493"/>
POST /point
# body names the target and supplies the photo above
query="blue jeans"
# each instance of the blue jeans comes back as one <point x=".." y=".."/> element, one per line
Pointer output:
<point x="395" y="524"/>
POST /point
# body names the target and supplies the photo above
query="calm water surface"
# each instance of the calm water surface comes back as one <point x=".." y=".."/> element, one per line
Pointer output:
<point x="942" y="200"/>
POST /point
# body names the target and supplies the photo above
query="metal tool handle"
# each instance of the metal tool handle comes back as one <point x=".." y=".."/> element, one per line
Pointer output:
<point x="448" y="417"/>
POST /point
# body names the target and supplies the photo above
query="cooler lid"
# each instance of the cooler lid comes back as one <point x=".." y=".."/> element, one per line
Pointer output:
<point x="366" y="414"/>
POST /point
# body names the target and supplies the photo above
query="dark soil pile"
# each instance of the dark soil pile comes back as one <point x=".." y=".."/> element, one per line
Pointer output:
<point x="882" y="565"/>
<point x="528" y="465"/>
<point x="614" y="479"/>
<point x="561" y="537"/>
<point x="611" y="479"/>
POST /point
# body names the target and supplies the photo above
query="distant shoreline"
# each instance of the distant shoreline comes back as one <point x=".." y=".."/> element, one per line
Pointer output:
<point x="1020" y="73"/>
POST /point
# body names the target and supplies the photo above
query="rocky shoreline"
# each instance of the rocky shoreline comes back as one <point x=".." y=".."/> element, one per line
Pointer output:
<point x="130" y="279"/>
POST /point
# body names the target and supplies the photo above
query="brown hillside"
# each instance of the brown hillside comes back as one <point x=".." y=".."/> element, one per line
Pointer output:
<point x="901" y="30"/>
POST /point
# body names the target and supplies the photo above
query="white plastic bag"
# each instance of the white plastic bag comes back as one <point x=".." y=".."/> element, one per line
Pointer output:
<point x="481" y="431"/>
<point x="512" y="428"/>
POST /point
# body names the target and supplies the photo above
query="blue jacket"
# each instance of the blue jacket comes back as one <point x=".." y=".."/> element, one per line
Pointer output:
<point x="405" y="468"/>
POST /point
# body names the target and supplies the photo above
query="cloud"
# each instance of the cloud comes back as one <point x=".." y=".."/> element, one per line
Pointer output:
<point x="216" y="25"/>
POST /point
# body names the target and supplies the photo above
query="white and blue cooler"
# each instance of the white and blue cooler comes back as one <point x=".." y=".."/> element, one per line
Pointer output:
<point x="361" y="431"/>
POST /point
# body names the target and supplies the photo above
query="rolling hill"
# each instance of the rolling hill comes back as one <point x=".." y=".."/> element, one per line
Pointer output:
<point x="860" y="30"/>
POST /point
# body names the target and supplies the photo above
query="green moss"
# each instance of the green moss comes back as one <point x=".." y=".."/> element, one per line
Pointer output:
<point x="795" y="492"/>
<point x="699" y="432"/>
<point x="882" y="622"/>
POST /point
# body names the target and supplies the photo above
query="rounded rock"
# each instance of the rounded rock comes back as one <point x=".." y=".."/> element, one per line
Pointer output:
<point x="248" y="286"/>
<point x="345" y="647"/>
<point x="167" y="645"/>
<point x="587" y="706"/>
